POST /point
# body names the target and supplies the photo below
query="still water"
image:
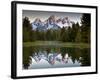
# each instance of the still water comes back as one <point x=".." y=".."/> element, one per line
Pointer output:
<point x="38" y="57"/>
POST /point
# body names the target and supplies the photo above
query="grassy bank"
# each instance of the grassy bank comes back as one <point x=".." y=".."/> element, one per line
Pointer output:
<point x="56" y="43"/>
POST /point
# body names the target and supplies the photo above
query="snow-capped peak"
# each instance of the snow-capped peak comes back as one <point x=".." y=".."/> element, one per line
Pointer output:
<point x="51" y="23"/>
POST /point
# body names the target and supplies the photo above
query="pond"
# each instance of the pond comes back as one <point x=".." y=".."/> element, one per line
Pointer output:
<point x="39" y="57"/>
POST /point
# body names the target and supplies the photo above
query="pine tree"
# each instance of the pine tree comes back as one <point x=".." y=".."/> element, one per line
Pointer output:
<point x="86" y="27"/>
<point x="63" y="35"/>
<point x="78" y="36"/>
<point x="27" y="30"/>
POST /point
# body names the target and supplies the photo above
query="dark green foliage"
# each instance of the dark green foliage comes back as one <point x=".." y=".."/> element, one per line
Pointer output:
<point x="27" y="52"/>
<point x="86" y="20"/>
<point x="27" y="30"/>
<point x="86" y="28"/>
<point x="33" y="35"/>
<point x="75" y="28"/>
<point x="86" y="59"/>
<point x="78" y="36"/>
<point x="63" y="34"/>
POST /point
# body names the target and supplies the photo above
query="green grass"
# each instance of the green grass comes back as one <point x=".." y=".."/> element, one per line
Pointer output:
<point x="56" y="43"/>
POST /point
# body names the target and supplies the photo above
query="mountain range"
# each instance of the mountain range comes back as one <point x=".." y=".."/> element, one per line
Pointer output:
<point x="51" y="23"/>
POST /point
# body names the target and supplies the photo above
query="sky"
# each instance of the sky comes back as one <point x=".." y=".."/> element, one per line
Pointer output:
<point x="43" y="15"/>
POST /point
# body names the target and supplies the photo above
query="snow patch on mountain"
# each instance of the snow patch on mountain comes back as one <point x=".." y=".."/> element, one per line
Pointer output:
<point x="51" y="23"/>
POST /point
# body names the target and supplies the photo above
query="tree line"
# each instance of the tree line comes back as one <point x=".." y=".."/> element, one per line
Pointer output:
<point x="76" y="33"/>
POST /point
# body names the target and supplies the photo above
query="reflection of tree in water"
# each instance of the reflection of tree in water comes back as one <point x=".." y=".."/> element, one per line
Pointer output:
<point x="86" y="60"/>
<point x="63" y="51"/>
<point x="76" y="54"/>
<point x="81" y="55"/>
<point x="26" y="60"/>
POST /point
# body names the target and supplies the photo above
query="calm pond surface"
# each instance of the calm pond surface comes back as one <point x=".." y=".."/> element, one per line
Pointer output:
<point x="38" y="57"/>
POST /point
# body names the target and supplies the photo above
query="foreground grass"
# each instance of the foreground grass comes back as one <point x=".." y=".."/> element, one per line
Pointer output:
<point x="56" y="43"/>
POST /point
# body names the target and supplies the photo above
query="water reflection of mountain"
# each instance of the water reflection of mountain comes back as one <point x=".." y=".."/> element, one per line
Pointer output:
<point x="53" y="57"/>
